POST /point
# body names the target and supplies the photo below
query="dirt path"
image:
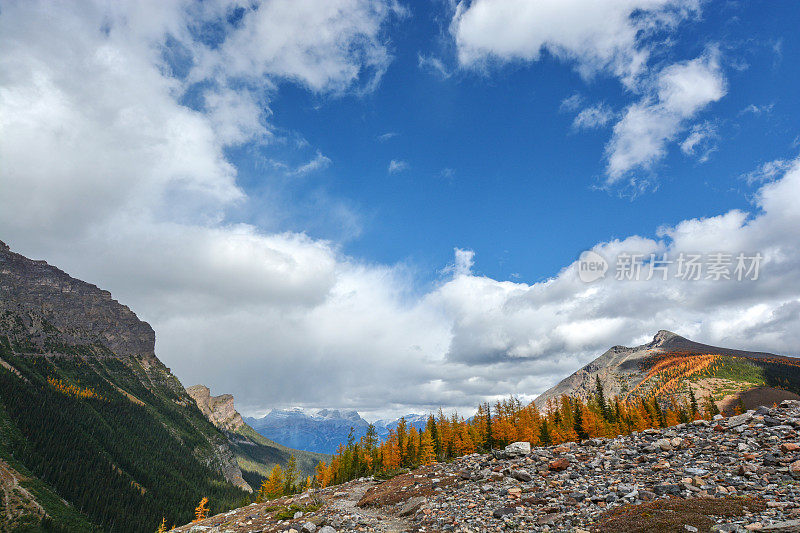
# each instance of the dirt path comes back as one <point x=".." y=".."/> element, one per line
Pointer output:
<point x="373" y="517"/>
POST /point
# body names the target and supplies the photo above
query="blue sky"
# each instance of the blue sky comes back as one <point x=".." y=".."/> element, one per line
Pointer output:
<point x="379" y="204"/>
<point x="495" y="165"/>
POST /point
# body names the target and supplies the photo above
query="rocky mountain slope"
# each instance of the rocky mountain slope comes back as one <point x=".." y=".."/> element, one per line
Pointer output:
<point x="734" y="474"/>
<point x="324" y="430"/>
<point x="672" y="364"/>
<point x="90" y="416"/>
<point x="255" y="454"/>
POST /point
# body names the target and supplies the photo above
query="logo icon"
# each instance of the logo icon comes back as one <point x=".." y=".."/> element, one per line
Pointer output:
<point x="591" y="266"/>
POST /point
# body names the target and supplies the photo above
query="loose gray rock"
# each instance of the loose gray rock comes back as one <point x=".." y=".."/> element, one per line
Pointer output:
<point x="517" y="449"/>
<point x="412" y="506"/>
<point x="504" y="511"/>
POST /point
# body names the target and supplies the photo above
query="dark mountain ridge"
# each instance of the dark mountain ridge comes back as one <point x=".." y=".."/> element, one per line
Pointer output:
<point x="90" y="416"/>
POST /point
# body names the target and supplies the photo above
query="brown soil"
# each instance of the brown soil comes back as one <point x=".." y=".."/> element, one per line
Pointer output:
<point x="754" y="398"/>
<point x="404" y="487"/>
<point x="671" y="515"/>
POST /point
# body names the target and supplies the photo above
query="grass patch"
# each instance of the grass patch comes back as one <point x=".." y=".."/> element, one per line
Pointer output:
<point x="389" y="474"/>
<point x="670" y="516"/>
<point x="287" y="513"/>
<point x="734" y="369"/>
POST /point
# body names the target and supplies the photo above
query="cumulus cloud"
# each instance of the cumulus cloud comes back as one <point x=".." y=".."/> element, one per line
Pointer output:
<point x="326" y="46"/>
<point x="613" y="37"/>
<point x="119" y="183"/>
<point x="595" y="35"/>
<point x="677" y="95"/>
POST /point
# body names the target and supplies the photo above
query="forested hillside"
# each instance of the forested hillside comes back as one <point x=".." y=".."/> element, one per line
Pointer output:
<point x="89" y="415"/>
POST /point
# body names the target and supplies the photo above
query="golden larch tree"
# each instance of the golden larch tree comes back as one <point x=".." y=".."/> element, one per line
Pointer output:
<point x="202" y="510"/>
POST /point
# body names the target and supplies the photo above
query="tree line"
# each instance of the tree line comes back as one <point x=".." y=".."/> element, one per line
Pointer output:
<point x="507" y="421"/>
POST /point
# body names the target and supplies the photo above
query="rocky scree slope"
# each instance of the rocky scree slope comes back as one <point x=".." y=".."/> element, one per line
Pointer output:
<point x="734" y="474"/>
<point x="88" y="412"/>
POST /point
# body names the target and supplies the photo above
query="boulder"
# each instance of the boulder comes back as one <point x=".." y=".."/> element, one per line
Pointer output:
<point x="664" y="444"/>
<point x="518" y="449"/>
<point x="412" y="506"/>
<point x="794" y="469"/>
<point x="738" y="420"/>
<point x="504" y="511"/>
<point x="521" y="475"/>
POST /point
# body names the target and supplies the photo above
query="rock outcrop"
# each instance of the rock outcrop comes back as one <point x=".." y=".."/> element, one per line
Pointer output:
<point x="218" y="409"/>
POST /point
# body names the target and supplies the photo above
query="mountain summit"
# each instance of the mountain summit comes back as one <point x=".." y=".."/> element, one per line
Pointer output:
<point x="672" y="364"/>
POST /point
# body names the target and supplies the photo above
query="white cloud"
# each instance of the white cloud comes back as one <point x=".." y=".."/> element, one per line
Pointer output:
<point x="236" y="116"/>
<point x="433" y="64"/>
<point x="701" y="141"/>
<point x="386" y="136"/>
<point x="595" y="35"/>
<point x="317" y="163"/>
<point x="396" y="166"/>
<point x="571" y="103"/>
<point x="448" y="174"/>
<point x="757" y="109"/>
<point x="678" y="93"/>
<point x="768" y="171"/>
<point x="614" y="37"/>
<point x="119" y="184"/>
<point x="326" y="46"/>
<point x="595" y="116"/>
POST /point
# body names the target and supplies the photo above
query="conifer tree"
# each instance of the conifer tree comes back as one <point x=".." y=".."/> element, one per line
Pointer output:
<point x="544" y="434"/>
<point x="489" y="436"/>
<point x="427" y="452"/>
<point x="290" y="475"/>
<point x="577" y="421"/>
<point x="202" y="510"/>
<point x="600" y="394"/>
<point x="431" y="428"/>
<point x="273" y="486"/>
<point x="693" y="403"/>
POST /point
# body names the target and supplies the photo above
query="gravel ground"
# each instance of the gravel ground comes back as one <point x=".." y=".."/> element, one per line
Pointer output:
<point x="732" y="474"/>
